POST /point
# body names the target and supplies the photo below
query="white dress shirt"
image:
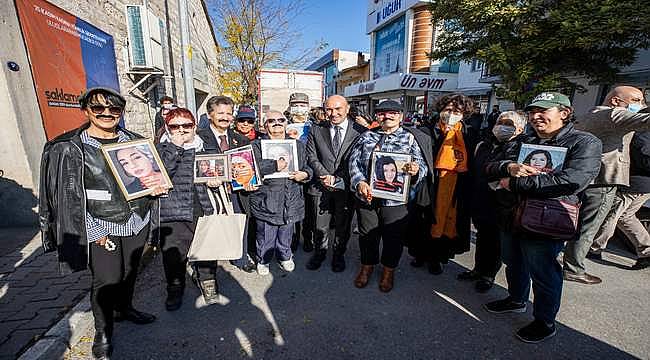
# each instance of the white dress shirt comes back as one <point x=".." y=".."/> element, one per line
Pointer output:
<point x="344" y="129"/>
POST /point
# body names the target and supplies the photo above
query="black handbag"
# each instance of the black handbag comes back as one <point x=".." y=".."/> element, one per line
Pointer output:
<point x="554" y="218"/>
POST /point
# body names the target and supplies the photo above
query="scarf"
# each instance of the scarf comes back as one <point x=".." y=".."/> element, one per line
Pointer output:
<point x="451" y="160"/>
<point x="196" y="144"/>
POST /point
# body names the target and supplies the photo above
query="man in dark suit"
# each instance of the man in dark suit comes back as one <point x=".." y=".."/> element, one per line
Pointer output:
<point x="218" y="138"/>
<point x="328" y="148"/>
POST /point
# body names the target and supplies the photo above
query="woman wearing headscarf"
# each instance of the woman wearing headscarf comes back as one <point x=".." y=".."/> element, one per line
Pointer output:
<point x="490" y="208"/>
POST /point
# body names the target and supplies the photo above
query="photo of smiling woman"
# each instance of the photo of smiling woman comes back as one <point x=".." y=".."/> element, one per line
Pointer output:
<point x="540" y="160"/>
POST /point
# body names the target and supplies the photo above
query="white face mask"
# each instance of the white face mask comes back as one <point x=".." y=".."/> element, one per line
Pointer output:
<point x="451" y="119"/>
<point x="503" y="133"/>
<point x="299" y="110"/>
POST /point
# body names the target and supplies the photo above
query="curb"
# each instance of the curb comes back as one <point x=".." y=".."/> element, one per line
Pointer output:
<point x="64" y="334"/>
<point x="67" y="332"/>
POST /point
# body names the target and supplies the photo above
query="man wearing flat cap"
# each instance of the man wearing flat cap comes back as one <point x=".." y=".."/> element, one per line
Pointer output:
<point x="85" y="217"/>
<point x="382" y="219"/>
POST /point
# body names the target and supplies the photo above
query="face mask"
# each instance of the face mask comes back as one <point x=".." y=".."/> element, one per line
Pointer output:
<point x="503" y="132"/>
<point x="451" y="119"/>
<point x="299" y="110"/>
<point x="635" y="108"/>
<point x="168" y="106"/>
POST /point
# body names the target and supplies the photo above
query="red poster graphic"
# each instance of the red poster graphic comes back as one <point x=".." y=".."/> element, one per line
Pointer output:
<point x="67" y="55"/>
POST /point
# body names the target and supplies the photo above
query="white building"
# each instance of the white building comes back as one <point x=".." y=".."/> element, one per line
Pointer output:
<point x="332" y="63"/>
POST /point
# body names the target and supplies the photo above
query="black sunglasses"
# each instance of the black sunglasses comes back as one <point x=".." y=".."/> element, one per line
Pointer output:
<point x="178" y="126"/>
<point x="248" y="120"/>
<point x="278" y="120"/>
<point x="99" y="109"/>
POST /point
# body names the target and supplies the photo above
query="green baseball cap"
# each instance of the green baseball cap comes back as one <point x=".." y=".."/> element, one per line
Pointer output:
<point x="547" y="100"/>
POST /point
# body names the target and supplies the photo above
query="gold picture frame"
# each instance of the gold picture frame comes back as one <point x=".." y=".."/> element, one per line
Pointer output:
<point x="135" y="166"/>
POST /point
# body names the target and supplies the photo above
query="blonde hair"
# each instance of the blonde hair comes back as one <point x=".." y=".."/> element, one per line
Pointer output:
<point x="518" y="118"/>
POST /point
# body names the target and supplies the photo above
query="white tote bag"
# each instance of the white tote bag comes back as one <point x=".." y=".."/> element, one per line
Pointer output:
<point x="219" y="236"/>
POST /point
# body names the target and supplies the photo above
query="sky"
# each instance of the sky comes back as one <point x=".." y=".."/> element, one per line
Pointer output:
<point x="340" y="23"/>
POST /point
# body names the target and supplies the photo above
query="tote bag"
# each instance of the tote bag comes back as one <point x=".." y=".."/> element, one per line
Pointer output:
<point x="218" y="236"/>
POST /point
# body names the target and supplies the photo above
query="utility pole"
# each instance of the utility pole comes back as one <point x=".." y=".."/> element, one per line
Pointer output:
<point x="188" y="76"/>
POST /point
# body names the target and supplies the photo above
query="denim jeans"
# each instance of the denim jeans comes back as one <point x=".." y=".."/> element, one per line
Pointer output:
<point x="530" y="258"/>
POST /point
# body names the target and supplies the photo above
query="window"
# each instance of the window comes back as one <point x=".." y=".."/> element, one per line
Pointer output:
<point x="447" y="66"/>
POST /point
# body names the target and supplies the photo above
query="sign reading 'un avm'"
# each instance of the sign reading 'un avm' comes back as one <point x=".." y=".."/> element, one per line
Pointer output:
<point x="67" y="56"/>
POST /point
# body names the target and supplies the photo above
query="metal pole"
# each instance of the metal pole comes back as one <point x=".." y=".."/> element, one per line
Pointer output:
<point x="188" y="76"/>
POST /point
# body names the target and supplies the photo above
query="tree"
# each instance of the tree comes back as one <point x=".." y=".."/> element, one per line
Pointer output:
<point x="256" y="34"/>
<point x="538" y="45"/>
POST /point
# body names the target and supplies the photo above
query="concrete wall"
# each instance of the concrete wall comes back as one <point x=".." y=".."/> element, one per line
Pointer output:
<point x="23" y="135"/>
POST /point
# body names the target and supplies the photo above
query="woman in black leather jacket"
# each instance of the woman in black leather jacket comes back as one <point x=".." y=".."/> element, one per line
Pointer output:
<point x="529" y="255"/>
<point x="180" y="210"/>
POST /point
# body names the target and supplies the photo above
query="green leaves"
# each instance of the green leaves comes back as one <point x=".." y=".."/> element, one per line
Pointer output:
<point x="536" y="45"/>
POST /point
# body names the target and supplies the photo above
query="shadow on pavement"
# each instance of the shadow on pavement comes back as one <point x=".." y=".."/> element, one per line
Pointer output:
<point x="321" y="315"/>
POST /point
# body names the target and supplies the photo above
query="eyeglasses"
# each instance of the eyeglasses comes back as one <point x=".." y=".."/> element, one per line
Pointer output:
<point x="178" y="126"/>
<point x="278" y="120"/>
<point x="99" y="109"/>
<point x="248" y="120"/>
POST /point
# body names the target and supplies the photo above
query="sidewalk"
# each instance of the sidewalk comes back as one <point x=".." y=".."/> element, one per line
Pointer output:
<point x="321" y="315"/>
<point x="33" y="295"/>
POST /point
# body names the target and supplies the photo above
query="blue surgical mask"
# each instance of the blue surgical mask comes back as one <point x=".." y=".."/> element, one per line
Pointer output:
<point x="635" y="108"/>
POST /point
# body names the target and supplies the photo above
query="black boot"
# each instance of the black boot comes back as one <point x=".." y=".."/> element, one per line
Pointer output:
<point x="316" y="260"/>
<point x="134" y="316"/>
<point x="175" y="292"/>
<point x="102" y="347"/>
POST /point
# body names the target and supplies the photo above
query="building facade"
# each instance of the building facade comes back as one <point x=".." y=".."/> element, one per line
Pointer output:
<point x="143" y="75"/>
<point x="332" y="64"/>
<point x="401" y="36"/>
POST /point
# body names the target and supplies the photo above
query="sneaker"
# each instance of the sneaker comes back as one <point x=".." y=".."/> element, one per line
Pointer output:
<point x="536" y="332"/>
<point x="641" y="264"/>
<point x="287" y="265"/>
<point x="505" y="306"/>
<point x="263" y="269"/>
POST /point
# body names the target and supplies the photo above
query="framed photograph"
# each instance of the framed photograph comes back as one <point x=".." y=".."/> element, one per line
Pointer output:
<point x="137" y="167"/>
<point x="284" y="151"/>
<point x="387" y="179"/>
<point x="243" y="169"/>
<point x="211" y="167"/>
<point x="546" y="159"/>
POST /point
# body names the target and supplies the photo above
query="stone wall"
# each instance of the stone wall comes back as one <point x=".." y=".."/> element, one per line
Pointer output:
<point x="23" y="139"/>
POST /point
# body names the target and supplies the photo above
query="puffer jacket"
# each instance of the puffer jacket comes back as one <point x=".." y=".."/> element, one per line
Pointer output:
<point x="179" y="204"/>
<point x="581" y="166"/>
<point x="279" y="201"/>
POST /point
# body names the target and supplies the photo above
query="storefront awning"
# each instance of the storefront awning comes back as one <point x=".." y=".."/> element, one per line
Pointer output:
<point x="444" y="82"/>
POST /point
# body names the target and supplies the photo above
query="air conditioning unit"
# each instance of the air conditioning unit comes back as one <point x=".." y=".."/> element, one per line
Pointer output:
<point x="145" y="31"/>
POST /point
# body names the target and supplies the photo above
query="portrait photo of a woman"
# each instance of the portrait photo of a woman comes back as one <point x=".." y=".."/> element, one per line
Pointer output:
<point x="136" y="167"/>
<point x="540" y="160"/>
<point x="387" y="177"/>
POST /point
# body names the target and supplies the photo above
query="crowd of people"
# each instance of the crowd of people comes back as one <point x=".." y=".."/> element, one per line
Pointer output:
<point x="525" y="210"/>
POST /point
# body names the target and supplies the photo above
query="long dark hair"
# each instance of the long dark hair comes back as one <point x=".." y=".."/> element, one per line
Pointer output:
<point x="549" y="162"/>
<point x="379" y="167"/>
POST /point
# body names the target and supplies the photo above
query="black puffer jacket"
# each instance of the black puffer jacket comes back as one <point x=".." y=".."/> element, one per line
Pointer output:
<point x="179" y="204"/>
<point x="279" y="201"/>
<point x="581" y="166"/>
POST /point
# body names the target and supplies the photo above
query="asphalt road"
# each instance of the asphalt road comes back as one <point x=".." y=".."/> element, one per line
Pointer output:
<point x="321" y="315"/>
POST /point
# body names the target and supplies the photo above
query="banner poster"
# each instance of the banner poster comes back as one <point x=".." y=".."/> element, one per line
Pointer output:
<point x="389" y="48"/>
<point x="67" y="55"/>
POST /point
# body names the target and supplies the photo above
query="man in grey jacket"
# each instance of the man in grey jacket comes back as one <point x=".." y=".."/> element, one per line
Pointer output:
<point x="614" y="124"/>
